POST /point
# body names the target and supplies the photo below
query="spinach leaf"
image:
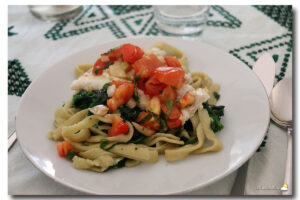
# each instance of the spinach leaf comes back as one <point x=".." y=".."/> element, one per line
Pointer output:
<point x="137" y="137"/>
<point x="120" y="164"/>
<point x="188" y="126"/>
<point x="216" y="113"/>
<point x="129" y="114"/>
<point x="87" y="99"/>
<point x="191" y="141"/>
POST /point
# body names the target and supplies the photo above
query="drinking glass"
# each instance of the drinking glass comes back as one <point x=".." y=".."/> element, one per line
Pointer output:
<point x="180" y="20"/>
<point x="55" y="12"/>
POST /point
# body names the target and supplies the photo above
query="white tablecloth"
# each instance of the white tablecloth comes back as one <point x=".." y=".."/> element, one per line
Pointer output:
<point x="244" y="31"/>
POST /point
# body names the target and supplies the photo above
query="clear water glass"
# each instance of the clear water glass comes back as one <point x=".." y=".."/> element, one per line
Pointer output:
<point x="55" y="12"/>
<point x="181" y="20"/>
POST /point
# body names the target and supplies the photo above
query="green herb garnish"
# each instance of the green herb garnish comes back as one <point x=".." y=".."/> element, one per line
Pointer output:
<point x="96" y="70"/>
<point x="146" y="118"/>
<point x="135" y="95"/>
<point x="216" y="95"/>
<point x="163" y="123"/>
<point x="107" y="65"/>
<point x="105" y="142"/>
<point x="70" y="155"/>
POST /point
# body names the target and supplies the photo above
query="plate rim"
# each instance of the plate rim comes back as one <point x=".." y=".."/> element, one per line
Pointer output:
<point x="162" y="38"/>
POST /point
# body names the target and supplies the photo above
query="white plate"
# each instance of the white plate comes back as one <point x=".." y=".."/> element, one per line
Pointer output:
<point x="246" y="120"/>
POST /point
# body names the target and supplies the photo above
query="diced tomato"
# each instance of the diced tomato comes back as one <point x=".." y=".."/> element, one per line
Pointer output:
<point x="117" y="83"/>
<point x="131" y="53"/>
<point x="168" y="93"/>
<point x="63" y="148"/>
<point x="124" y="91"/>
<point x="174" y="123"/>
<point x="174" y="113"/>
<point x="118" y="127"/>
<point x="141" y="84"/>
<point x="114" y="54"/>
<point x="153" y="86"/>
<point x="146" y="65"/>
<point x="172" y="61"/>
<point x="60" y="149"/>
<point x="187" y="100"/>
<point x="122" y="94"/>
<point x="97" y="68"/>
<point x="173" y="76"/>
<point x="151" y="123"/>
<point x="113" y="104"/>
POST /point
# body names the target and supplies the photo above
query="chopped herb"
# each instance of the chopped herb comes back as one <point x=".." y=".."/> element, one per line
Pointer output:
<point x="87" y="99"/>
<point x="105" y="142"/>
<point x="216" y="95"/>
<point x="135" y="95"/>
<point x="136" y="79"/>
<point x="105" y="87"/>
<point x="191" y="141"/>
<point x="163" y="123"/>
<point x="169" y="104"/>
<point x="106" y="65"/>
<point x="136" y="148"/>
<point x="70" y="155"/>
<point x="215" y="112"/>
<point x="146" y="118"/>
<point x="175" y="88"/>
<point x="129" y="114"/>
<point x="96" y="70"/>
<point x="156" y="117"/>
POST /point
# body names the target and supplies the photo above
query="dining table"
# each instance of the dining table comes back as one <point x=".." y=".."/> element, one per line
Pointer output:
<point x="245" y="32"/>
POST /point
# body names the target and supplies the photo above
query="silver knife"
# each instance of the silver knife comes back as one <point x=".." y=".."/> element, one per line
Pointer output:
<point x="264" y="68"/>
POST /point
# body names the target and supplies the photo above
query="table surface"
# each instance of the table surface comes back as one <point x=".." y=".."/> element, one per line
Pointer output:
<point x="246" y="32"/>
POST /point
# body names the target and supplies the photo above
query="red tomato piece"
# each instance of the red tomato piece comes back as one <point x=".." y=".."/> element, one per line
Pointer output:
<point x="97" y="68"/>
<point x="151" y="123"/>
<point x="122" y="94"/>
<point x="141" y="84"/>
<point x="174" y="123"/>
<point x="146" y="65"/>
<point x="117" y="83"/>
<point x="173" y="76"/>
<point x="63" y="148"/>
<point x="153" y="86"/>
<point x="172" y="61"/>
<point x="168" y="93"/>
<point x="118" y="127"/>
<point x="114" y="54"/>
<point x="131" y="53"/>
<point x="113" y="104"/>
<point x="60" y="149"/>
<point x="173" y="114"/>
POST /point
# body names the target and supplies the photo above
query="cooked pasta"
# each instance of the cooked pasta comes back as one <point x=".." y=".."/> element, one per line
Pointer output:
<point x="132" y="105"/>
